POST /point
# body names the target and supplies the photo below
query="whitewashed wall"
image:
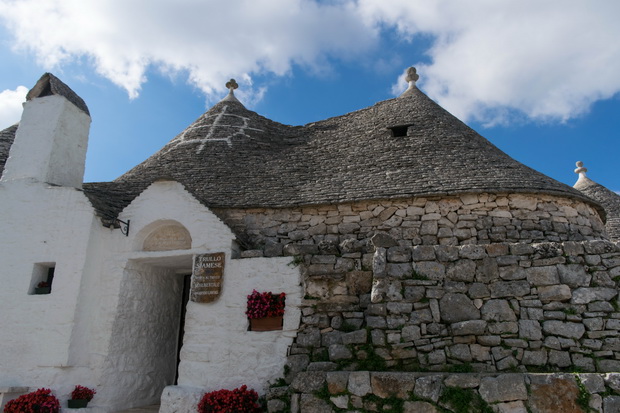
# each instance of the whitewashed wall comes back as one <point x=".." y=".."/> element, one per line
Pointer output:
<point x="218" y="351"/>
<point x="40" y="224"/>
<point x="50" y="143"/>
<point x="110" y="320"/>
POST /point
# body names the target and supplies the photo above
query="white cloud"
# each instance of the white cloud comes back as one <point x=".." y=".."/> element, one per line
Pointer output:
<point x="11" y="106"/>
<point x="548" y="59"/>
<point x="211" y="40"/>
<point x="545" y="59"/>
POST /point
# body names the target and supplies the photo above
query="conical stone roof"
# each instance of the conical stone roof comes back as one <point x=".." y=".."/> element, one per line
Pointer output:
<point x="607" y="198"/>
<point x="233" y="157"/>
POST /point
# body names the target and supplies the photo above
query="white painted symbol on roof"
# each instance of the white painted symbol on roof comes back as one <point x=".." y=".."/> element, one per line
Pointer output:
<point x="218" y="124"/>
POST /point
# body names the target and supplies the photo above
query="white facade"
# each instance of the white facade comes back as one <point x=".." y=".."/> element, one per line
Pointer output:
<point x="113" y="317"/>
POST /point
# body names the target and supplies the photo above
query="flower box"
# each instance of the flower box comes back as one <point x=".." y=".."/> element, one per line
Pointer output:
<point x="80" y="396"/>
<point x="77" y="403"/>
<point x="265" y="311"/>
<point x="266" y="323"/>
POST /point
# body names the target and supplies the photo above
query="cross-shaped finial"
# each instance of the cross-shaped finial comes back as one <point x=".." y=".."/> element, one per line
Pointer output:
<point x="231" y="85"/>
<point x="412" y="76"/>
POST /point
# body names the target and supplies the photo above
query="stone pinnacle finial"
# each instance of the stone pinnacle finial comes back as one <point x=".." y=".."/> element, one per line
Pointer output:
<point x="581" y="170"/>
<point x="412" y="76"/>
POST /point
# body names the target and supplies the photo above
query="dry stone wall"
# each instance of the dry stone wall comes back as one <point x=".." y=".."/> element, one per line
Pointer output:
<point x="342" y="391"/>
<point x="466" y="287"/>
<point x="486" y="308"/>
<point x="456" y="220"/>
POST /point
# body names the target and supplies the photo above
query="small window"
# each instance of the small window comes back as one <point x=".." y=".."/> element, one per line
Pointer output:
<point x="399" y="130"/>
<point x="42" y="278"/>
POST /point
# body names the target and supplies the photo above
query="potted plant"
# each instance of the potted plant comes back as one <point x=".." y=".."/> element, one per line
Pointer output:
<point x="239" y="400"/>
<point x="43" y="288"/>
<point x="39" y="401"/>
<point x="80" y="396"/>
<point x="265" y="310"/>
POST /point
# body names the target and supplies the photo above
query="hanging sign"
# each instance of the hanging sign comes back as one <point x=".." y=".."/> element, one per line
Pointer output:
<point x="207" y="277"/>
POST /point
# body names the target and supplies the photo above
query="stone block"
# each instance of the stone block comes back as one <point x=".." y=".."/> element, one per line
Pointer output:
<point x="402" y="270"/>
<point x="275" y="406"/>
<point x="478" y="290"/>
<point x="530" y="330"/>
<point x="359" y="383"/>
<point x="311" y="338"/>
<point x="487" y="271"/>
<point x="383" y="240"/>
<point x="543" y="275"/>
<point x="399" y="254"/>
<point x="609" y="366"/>
<point x="501" y="289"/>
<point x="309" y="403"/>
<point x="462" y="270"/>
<point x="410" y="333"/>
<point x="337" y="381"/>
<point x="512" y="273"/>
<point x="594" y="383"/>
<point x="507" y="363"/>
<point x="473" y="252"/>
<point x="446" y="253"/>
<point x="308" y="381"/>
<point x="359" y="282"/>
<point x="574" y="275"/>
<point x="341" y="402"/>
<point x="480" y="353"/>
<point x="469" y="327"/>
<point x="503" y="327"/>
<point x="430" y="269"/>
<point x="379" y="263"/>
<point x="535" y="358"/>
<point x="460" y="352"/>
<point x="386" y="384"/>
<point x="339" y="352"/>
<point x="457" y="307"/>
<point x="429" y="387"/>
<point x="355" y="337"/>
<point x="422" y="253"/>
<point x="429" y="228"/>
<point x="564" y="329"/>
<point x="611" y="404"/>
<point x="559" y="358"/>
<point x="504" y="388"/>
<point x="437" y="357"/>
<point x="554" y="394"/>
<point x="586" y="295"/>
<point x="463" y="381"/>
<point x="549" y="293"/>
<point x="497" y="310"/>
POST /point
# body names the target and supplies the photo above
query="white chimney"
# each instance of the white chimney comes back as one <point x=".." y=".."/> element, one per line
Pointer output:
<point x="52" y="137"/>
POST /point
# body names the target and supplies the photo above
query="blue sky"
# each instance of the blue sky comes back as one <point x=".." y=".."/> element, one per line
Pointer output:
<point x="541" y="80"/>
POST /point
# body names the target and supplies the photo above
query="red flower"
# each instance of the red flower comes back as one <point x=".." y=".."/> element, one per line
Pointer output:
<point x="81" y="392"/>
<point x="239" y="400"/>
<point x="40" y="401"/>
<point x="266" y="304"/>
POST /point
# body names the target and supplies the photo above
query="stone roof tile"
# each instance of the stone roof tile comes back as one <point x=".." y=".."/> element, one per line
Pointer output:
<point x="7" y="136"/>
